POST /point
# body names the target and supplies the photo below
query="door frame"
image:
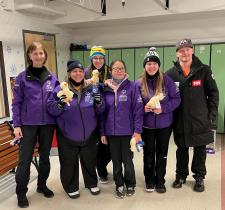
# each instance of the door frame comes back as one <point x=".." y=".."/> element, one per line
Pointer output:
<point x="39" y="33"/>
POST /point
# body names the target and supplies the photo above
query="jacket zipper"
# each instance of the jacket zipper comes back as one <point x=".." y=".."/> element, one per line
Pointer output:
<point x="114" y="115"/>
<point x="42" y="96"/>
<point x="155" y="119"/>
<point x="78" y="103"/>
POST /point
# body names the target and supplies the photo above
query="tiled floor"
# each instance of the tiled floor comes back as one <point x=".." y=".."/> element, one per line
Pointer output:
<point x="175" y="199"/>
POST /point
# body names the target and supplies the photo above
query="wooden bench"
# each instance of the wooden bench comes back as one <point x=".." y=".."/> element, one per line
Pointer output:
<point x="9" y="155"/>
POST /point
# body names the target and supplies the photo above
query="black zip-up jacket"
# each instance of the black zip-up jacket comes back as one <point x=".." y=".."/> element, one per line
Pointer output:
<point x="199" y="104"/>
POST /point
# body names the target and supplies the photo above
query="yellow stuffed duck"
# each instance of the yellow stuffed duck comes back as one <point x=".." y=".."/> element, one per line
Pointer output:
<point x="94" y="79"/>
<point x="65" y="91"/>
<point x="154" y="102"/>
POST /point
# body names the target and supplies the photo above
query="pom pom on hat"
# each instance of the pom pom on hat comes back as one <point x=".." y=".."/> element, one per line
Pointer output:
<point x="72" y="64"/>
<point x="97" y="50"/>
<point x="151" y="55"/>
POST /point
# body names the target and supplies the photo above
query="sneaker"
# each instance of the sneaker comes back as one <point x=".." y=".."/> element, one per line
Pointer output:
<point x="160" y="188"/>
<point x="74" y="195"/>
<point x="120" y="192"/>
<point x="103" y="180"/>
<point x="94" y="190"/>
<point x="150" y="188"/>
<point x="45" y="191"/>
<point x="130" y="191"/>
<point x="199" y="185"/>
<point x="22" y="201"/>
<point x="178" y="183"/>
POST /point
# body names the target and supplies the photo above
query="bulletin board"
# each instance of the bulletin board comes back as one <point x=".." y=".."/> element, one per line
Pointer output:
<point x="4" y="107"/>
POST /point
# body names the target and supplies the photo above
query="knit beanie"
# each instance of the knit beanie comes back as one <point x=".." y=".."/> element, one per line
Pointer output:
<point x="72" y="64"/>
<point x="97" y="50"/>
<point x="151" y="55"/>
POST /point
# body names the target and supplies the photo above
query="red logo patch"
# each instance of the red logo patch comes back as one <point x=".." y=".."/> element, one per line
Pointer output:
<point x="196" y="83"/>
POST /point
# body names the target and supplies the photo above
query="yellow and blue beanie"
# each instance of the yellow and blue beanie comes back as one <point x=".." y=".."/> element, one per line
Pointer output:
<point x="97" y="50"/>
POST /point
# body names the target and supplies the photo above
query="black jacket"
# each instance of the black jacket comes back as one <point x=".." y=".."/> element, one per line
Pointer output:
<point x="199" y="104"/>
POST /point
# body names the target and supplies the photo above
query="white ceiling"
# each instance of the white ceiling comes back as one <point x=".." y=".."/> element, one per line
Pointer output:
<point x="139" y="23"/>
<point x="65" y="13"/>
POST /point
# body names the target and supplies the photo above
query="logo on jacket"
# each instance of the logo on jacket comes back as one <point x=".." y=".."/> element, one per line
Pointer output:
<point x="88" y="98"/>
<point x="139" y="99"/>
<point x="49" y="87"/>
<point x="196" y="83"/>
<point x="177" y="86"/>
<point x="123" y="96"/>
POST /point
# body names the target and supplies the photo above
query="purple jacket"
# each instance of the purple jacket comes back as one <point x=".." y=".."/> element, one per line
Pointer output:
<point x="168" y="104"/>
<point x="30" y="98"/>
<point x="77" y="121"/>
<point x="124" y="111"/>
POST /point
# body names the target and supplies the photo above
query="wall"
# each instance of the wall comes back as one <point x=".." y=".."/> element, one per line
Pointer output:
<point x="144" y="23"/>
<point x="12" y="24"/>
<point x="200" y="28"/>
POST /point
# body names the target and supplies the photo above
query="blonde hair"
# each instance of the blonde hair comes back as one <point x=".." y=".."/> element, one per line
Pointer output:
<point x="144" y="85"/>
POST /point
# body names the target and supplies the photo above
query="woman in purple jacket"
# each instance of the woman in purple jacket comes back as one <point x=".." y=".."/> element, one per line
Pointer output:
<point x="77" y="133"/>
<point x="32" y="122"/>
<point x="157" y="121"/>
<point x="122" y="119"/>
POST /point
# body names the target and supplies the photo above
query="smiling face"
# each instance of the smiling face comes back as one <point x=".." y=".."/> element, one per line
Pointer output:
<point x="185" y="54"/>
<point x="36" y="55"/>
<point x="151" y="67"/>
<point x="98" y="61"/>
<point x="118" y="70"/>
<point x="77" y="74"/>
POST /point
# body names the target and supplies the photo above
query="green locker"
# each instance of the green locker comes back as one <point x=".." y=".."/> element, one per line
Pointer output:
<point x="114" y="54"/>
<point x="128" y="58"/>
<point x="139" y="58"/>
<point x="203" y="53"/>
<point x="87" y="61"/>
<point x="169" y="57"/>
<point x="78" y="55"/>
<point x="107" y="57"/>
<point x="217" y="65"/>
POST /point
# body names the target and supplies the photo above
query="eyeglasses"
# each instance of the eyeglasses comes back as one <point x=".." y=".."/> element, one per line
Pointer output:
<point x="117" y="69"/>
<point x="100" y="59"/>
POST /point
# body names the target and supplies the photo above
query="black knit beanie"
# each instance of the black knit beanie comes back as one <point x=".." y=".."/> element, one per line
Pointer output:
<point x="151" y="55"/>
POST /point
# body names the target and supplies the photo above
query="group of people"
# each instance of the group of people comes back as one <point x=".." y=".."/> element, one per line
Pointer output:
<point x="97" y="126"/>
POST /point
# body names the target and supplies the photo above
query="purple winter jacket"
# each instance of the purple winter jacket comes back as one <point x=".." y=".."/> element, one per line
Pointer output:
<point x="124" y="112"/>
<point x="30" y="98"/>
<point x="168" y="104"/>
<point x="77" y="121"/>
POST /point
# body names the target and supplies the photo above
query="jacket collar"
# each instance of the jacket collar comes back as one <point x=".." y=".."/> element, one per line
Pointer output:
<point x="195" y="66"/>
<point x="121" y="86"/>
<point x="43" y="77"/>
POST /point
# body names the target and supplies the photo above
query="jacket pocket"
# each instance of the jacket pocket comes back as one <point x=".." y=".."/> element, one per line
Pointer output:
<point x="200" y="124"/>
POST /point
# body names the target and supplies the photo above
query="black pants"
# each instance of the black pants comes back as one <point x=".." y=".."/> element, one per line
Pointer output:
<point x="198" y="162"/>
<point x="43" y="134"/>
<point x="103" y="158"/>
<point x="69" y="155"/>
<point x="155" y="154"/>
<point x="121" y="154"/>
